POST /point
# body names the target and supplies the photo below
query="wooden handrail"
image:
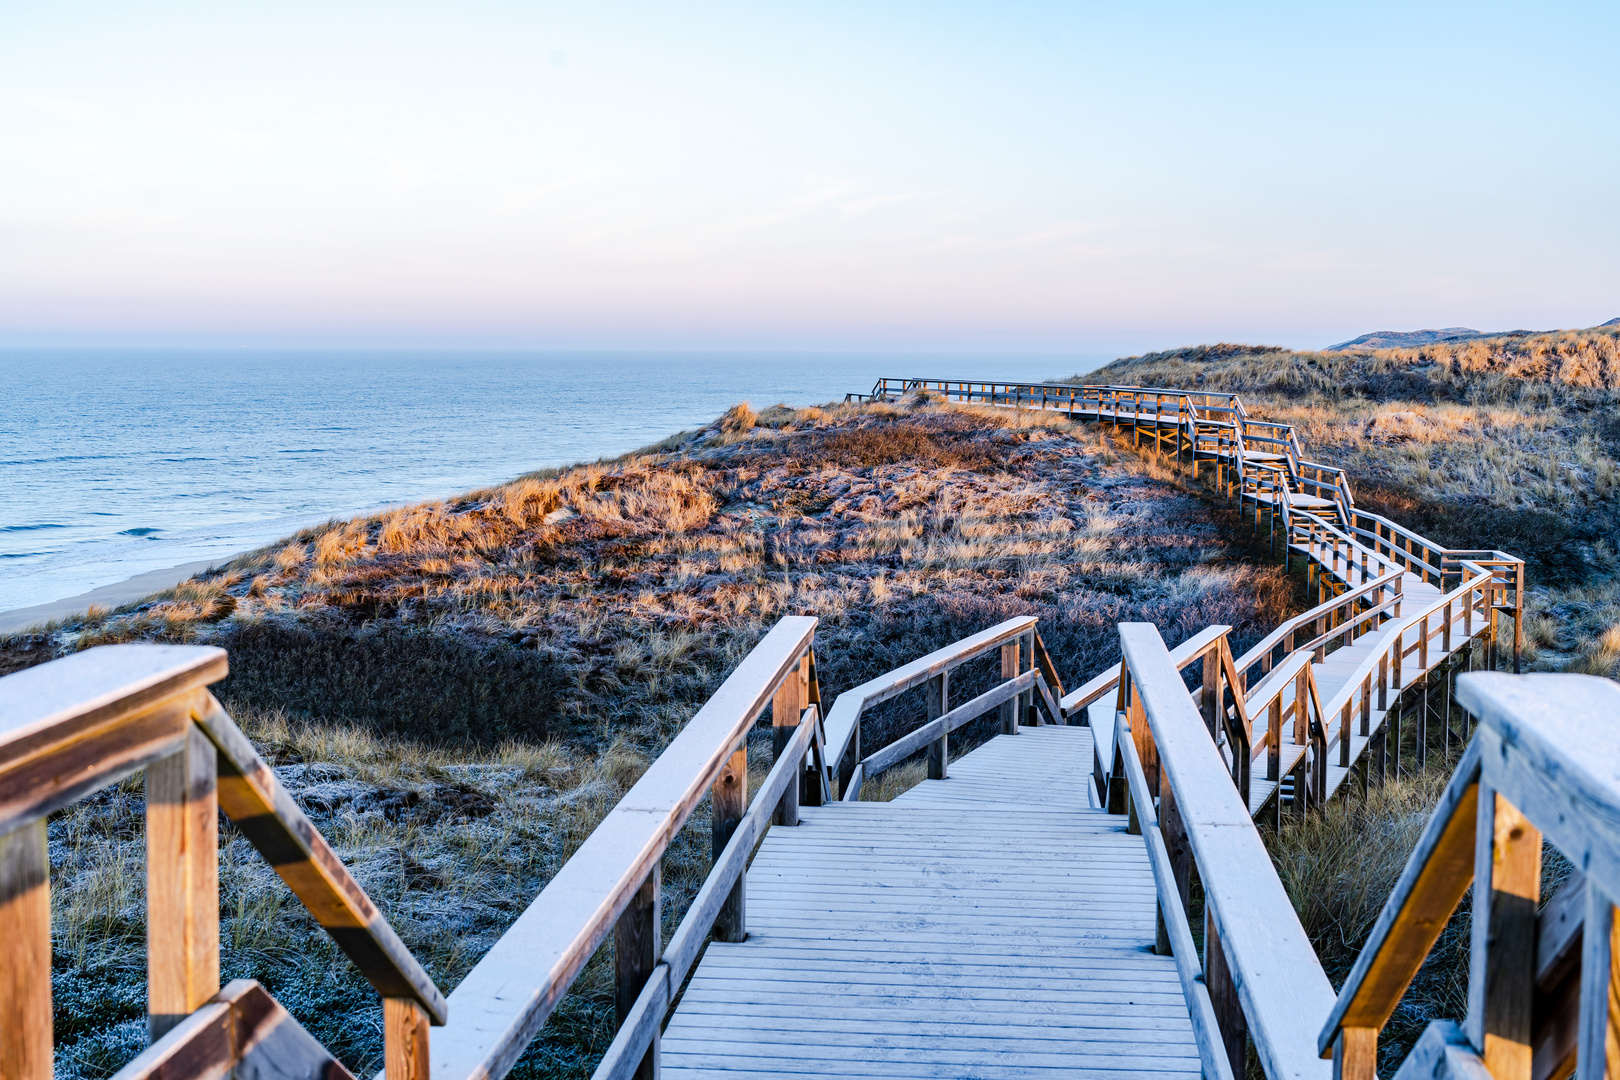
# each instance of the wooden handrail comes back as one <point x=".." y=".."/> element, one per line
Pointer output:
<point x="913" y="741"/>
<point x="242" y="1031"/>
<point x="1544" y="764"/>
<point x="501" y="1005"/>
<point x="624" y="1055"/>
<point x="1432" y="884"/>
<point x="1172" y="914"/>
<point x="1108" y="679"/>
<point x="1251" y="922"/>
<point x="844" y="718"/>
<point x="1101" y="398"/>
<point x="73" y="725"/>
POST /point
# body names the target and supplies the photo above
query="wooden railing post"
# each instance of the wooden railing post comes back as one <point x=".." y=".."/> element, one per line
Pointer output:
<point x="637" y="948"/>
<point x="25" y="954"/>
<point x="1355" y="1054"/>
<point x="1026" y="658"/>
<point x="1210" y="697"/>
<point x="405" y="1039"/>
<point x="728" y="802"/>
<point x="182" y="882"/>
<point x="786" y="707"/>
<point x="1174" y="830"/>
<point x="1223" y="995"/>
<point x="1598" y="1056"/>
<point x="1502" y="957"/>
<point x="937" y="692"/>
<point x="1009" y="670"/>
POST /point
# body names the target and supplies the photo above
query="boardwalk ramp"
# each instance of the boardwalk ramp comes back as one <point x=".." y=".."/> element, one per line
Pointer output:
<point x="992" y="924"/>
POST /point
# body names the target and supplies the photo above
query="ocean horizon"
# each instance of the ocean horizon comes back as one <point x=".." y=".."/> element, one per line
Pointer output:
<point x="119" y="462"/>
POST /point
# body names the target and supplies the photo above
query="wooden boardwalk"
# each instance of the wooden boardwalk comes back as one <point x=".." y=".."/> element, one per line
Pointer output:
<point x="992" y="924"/>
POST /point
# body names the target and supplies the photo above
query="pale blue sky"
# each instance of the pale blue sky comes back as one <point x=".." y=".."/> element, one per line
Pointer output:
<point x="1076" y="177"/>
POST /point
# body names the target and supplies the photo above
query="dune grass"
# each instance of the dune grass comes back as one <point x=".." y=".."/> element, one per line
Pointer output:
<point x="1510" y="443"/>
<point x="606" y="602"/>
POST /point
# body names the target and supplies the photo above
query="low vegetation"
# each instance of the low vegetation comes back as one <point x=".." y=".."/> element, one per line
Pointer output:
<point x="1510" y="443"/>
<point x="457" y="692"/>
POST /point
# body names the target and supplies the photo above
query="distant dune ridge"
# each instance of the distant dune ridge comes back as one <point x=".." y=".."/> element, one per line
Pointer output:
<point x="1406" y="339"/>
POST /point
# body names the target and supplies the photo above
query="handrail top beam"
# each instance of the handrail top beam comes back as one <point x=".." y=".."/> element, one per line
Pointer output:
<point x="1541" y="754"/>
<point x="97" y="686"/>
<point x="1108" y="678"/>
<point x="846" y="710"/>
<point x="1280" y="981"/>
<point x="500" y="1006"/>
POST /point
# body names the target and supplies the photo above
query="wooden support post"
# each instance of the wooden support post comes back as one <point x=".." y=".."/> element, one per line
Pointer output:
<point x="637" y="947"/>
<point x="1392" y="721"/>
<point x="405" y="1039"/>
<point x="1026" y="662"/>
<point x="1502" y="956"/>
<point x="852" y="756"/>
<point x="1355" y="1054"/>
<point x="1223" y="995"/>
<point x="1210" y="696"/>
<point x="25" y="954"/>
<point x="729" y="801"/>
<point x="1422" y="733"/>
<point x="786" y="708"/>
<point x="937" y="691"/>
<point x="1274" y="740"/>
<point x="182" y="883"/>
<point x="1302" y="715"/>
<point x="1599" y="1055"/>
<point x="1009" y="670"/>
<point x="1176" y="844"/>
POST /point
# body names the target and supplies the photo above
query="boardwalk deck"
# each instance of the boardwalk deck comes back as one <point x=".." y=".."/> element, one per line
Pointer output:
<point x="992" y="924"/>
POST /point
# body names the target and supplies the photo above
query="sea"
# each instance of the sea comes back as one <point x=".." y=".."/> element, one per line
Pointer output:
<point x="116" y="463"/>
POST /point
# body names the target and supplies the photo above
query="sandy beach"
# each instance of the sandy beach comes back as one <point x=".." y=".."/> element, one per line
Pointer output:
<point x="109" y="596"/>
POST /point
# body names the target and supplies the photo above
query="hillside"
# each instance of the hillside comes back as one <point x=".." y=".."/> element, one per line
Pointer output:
<point x="457" y="692"/>
<point x="1511" y="443"/>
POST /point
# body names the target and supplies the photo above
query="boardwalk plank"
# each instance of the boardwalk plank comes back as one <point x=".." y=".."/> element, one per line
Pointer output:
<point x="991" y="924"/>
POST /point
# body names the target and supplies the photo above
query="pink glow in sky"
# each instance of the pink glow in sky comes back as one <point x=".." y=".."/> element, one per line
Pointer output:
<point x="1022" y="176"/>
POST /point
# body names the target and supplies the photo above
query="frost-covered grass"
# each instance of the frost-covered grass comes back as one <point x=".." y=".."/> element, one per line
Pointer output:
<point x="610" y="600"/>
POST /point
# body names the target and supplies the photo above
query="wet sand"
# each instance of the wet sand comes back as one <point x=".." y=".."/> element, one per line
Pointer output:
<point x="108" y="596"/>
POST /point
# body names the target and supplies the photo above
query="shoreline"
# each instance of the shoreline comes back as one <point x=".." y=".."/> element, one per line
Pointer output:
<point x="115" y="595"/>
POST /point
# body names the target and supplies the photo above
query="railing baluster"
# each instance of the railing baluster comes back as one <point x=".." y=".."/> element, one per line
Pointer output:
<point x="182" y="876"/>
<point x="728" y="802"/>
<point x="1009" y="670"/>
<point x="937" y="692"/>
<point x="25" y="954"/>
<point x="637" y="948"/>
<point x="1502" y="961"/>
<point x="786" y="706"/>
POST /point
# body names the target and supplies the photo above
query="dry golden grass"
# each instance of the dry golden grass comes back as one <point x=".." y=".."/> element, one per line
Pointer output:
<point x="1510" y="443"/>
<point x="606" y="602"/>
